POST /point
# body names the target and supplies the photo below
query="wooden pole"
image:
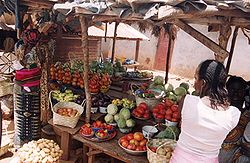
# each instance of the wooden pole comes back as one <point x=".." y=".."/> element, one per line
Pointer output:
<point x="137" y="49"/>
<point x="168" y="54"/>
<point x="202" y="38"/>
<point x="114" y="40"/>
<point x="232" y="48"/>
<point x="84" y="27"/>
<point x="225" y="33"/>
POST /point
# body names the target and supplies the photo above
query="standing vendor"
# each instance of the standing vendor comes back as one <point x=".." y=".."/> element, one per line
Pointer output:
<point x="206" y="120"/>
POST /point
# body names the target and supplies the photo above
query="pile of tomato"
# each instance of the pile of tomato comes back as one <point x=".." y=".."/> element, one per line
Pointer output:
<point x="134" y="141"/>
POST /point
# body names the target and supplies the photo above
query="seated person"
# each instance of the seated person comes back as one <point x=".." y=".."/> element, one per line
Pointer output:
<point x="232" y="144"/>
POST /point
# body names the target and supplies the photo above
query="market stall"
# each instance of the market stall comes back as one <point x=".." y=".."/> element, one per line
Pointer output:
<point x="119" y="126"/>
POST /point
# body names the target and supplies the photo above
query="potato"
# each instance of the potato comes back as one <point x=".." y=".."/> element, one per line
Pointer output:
<point x="168" y="155"/>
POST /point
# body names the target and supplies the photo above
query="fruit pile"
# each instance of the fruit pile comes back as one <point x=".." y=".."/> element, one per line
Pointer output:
<point x="175" y="94"/>
<point x="133" y="141"/>
<point x="124" y="103"/>
<point x="164" y="151"/>
<point x="68" y="112"/>
<point x="86" y="130"/>
<point x="99" y="83"/>
<point x="65" y="96"/>
<point x="140" y="75"/>
<point x="67" y="75"/>
<point x="102" y="133"/>
<point x="99" y="129"/>
<point x="123" y="118"/>
<point x="72" y="74"/>
<point x="141" y="111"/>
<point x="100" y="100"/>
<point x="40" y="151"/>
<point x="166" y="110"/>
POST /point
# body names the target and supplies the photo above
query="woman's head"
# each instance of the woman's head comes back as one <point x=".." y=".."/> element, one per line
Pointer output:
<point x="236" y="87"/>
<point x="210" y="79"/>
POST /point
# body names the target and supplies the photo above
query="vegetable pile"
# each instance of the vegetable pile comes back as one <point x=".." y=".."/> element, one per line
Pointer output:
<point x="41" y="151"/>
<point x="141" y="111"/>
<point x="68" y="112"/>
<point x="134" y="141"/>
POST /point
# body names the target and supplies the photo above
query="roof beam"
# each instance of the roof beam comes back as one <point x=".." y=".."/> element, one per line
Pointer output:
<point x="202" y="38"/>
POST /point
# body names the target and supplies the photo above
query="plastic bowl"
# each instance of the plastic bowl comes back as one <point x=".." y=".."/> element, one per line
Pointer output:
<point x="94" y="109"/>
<point x="149" y="131"/>
<point x="103" y="109"/>
<point x="170" y="123"/>
<point x="125" y="130"/>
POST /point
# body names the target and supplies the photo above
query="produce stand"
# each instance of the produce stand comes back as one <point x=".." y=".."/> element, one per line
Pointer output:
<point x="158" y="15"/>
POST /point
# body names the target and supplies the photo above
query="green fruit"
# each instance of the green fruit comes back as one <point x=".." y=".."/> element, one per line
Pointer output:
<point x="172" y="97"/>
<point x="195" y="93"/>
<point x="130" y="123"/>
<point x="180" y="91"/>
<point x="109" y="118"/>
<point x="184" y="85"/>
<point x="124" y="113"/>
<point x="121" y="123"/>
<point x="112" y="109"/>
<point x="158" y="80"/>
<point x="116" y="117"/>
<point x="169" y="87"/>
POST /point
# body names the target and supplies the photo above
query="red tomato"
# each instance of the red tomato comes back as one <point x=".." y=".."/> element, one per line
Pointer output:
<point x="130" y="136"/>
<point x="162" y="112"/>
<point x="137" y="148"/>
<point x="155" y="114"/>
<point x="169" y="102"/>
<point x="140" y="111"/>
<point x="123" y="140"/>
<point x="174" y="120"/>
<point x="143" y="142"/>
<point x="160" y="116"/>
<point x="146" y="115"/>
<point x="161" y="106"/>
<point x="125" y="144"/>
<point x="174" y="108"/>
<point x="138" y="136"/>
<point x="167" y="117"/>
<point x="155" y="110"/>
<point x="146" y="111"/>
<point x="175" y="115"/>
<point x="143" y="105"/>
<point x="144" y="148"/>
<point x="153" y="149"/>
<point x="130" y="146"/>
<point x="169" y="112"/>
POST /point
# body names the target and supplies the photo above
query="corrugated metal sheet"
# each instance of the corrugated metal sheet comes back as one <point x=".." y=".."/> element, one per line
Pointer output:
<point x="124" y="31"/>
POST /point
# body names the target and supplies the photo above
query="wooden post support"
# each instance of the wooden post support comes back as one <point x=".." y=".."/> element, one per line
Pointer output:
<point x="137" y="49"/>
<point x="232" y="48"/>
<point x="84" y="27"/>
<point x="225" y="33"/>
<point x="114" y="40"/>
<point x="203" y="39"/>
<point x="168" y="53"/>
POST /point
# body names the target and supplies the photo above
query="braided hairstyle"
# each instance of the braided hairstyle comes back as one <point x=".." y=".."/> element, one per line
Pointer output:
<point x="215" y="76"/>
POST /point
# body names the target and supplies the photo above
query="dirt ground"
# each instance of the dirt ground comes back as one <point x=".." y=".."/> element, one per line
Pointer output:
<point x="8" y="125"/>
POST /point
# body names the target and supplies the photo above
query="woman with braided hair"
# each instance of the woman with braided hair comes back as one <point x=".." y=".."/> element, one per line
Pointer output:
<point x="207" y="119"/>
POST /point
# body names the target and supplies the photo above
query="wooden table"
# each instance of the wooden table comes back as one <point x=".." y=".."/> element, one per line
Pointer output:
<point x="66" y="134"/>
<point x="110" y="148"/>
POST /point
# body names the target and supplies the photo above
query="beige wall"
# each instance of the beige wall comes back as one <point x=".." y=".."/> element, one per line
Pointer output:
<point x="188" y="53"/>
<point x="125" y="48"/>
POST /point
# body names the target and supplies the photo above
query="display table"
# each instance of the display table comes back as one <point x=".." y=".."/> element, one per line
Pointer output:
<point x="110" y="148"/>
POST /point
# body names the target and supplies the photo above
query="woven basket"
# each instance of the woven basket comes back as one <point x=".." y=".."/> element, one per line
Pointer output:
<point x="6" y="88"/>
<point x="154" y="157"/>
<point x="159" y="143"/>
<point x="151" y="102"/>
<point x="63" y="120"/>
